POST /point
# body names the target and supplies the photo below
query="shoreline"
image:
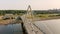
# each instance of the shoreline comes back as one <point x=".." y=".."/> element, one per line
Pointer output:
<point x="5" y="22"/>
<point x="43" y="19"/>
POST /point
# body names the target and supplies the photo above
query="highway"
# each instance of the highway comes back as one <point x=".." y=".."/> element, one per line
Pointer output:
<point x="30" y="28"/>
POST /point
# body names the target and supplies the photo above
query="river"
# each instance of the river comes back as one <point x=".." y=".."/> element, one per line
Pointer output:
<point x="49" y="26"/>
<point x="11" y="29"/>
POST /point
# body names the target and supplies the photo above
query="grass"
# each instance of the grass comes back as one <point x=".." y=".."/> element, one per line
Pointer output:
<point x="46" y="16"/>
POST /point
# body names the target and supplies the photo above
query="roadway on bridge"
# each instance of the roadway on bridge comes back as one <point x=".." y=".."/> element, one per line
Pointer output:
<point x="31" y="29"/>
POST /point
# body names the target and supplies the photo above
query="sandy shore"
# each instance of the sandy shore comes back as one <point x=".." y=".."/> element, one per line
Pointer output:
<point x="3" y="22"/>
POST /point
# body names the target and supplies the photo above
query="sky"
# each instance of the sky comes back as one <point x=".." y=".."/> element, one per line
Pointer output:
<point x="23" y="4"/>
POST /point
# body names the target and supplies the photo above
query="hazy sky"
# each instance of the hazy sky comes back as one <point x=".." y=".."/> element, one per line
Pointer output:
<point x="23" y="4"/>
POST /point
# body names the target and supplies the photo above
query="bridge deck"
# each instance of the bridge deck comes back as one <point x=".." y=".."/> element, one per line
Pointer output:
<point x="31" y="29"/>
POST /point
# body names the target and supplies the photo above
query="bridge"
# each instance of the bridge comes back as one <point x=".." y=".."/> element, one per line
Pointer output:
<point x="28" y="21"/>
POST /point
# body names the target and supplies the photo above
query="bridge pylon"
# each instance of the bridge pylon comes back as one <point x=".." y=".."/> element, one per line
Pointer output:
<point x="29" y="12"/>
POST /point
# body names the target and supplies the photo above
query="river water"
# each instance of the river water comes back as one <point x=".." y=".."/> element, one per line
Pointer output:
<point x="11" y="29"/>
<point x="49" y="26"/>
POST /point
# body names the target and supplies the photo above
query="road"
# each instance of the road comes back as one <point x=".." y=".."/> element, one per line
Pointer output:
<point x="31" y="29"/>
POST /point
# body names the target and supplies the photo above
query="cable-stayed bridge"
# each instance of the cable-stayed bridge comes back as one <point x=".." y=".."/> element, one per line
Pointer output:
<point x="28" y="22"/>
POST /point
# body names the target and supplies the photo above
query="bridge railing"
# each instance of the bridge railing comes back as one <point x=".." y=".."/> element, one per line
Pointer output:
<point x="29" y="26"/>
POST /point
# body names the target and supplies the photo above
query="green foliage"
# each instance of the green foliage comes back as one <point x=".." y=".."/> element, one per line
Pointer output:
<point x="3" y="12"/>
<point x="46" y="12"/>
<point x="35" y="12"/>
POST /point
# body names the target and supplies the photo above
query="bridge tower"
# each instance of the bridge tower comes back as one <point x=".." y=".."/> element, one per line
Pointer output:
<point x="29" y="9"/>
<point x="29" y="12"/>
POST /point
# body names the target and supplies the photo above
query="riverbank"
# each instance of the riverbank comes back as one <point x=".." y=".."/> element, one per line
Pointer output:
<point x="49" y="18"/>
<point x="4" y="22"/>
